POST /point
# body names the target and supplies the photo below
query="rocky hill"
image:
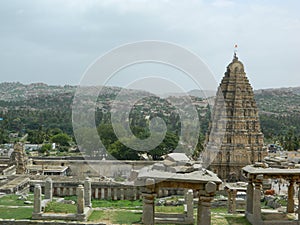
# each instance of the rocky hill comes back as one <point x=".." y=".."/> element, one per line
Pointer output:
<point x="37" y="105"/>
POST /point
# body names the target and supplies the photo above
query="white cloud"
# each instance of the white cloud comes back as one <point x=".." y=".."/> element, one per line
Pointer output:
<point x="223" y="3"/>
<point x="77" y="31"/>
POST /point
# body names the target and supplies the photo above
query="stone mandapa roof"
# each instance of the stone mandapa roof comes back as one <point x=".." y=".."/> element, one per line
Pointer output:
<point x="181" y="171"/>
<point x="47" y="168"/>
<point x="254" y="169"/>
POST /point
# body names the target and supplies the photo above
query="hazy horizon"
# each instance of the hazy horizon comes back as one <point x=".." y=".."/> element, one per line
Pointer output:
<point x="54" y="41"/>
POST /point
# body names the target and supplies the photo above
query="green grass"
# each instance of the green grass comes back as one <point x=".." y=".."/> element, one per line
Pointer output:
<point x="15" y="213"/>
<point x="219" y="216"/>
<point x="12" y="200"/>
<point x="219" y="210"/>
<point x="98" y="215"/>
<point x="58" y="207"/>
<point x="73" y="198"/>
<point x="169" y="209"/>
<point x="229" y="220"/>
<point x="116" y="217"/>
<point x="125" y="217"/>
<point x="116" y="204"/>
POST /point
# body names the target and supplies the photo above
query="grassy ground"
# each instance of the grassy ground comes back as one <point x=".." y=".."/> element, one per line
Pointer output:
<point x="116" y="216"/>
<point x="219" y="216"/>
<point x="110" y="212"/>
<point x="58" y="207"/>
<point x="15" y="213"/>
<point x="12" y="200"/>
<point x="117" y="204"/>
<point x="169" y="209"/>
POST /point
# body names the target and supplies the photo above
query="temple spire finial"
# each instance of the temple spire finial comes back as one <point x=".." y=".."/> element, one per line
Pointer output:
<point x="235" y="58"/>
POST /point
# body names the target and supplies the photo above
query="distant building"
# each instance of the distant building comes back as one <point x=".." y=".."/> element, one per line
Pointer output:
<point x="235" y="137"/>
<point x="48" y="170"/>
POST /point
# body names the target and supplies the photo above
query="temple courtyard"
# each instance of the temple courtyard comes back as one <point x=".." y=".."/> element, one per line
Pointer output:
<point x="105" y="212"/>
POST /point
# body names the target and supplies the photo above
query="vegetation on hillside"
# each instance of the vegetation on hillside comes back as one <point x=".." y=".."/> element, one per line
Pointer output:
<point x="43" y="115"/>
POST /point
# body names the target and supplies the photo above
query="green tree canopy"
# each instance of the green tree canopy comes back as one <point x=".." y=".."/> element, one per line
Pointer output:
<point x="61" y="139"/>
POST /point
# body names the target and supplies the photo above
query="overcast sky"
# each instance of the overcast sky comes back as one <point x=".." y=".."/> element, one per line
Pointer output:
<point x="54" y="41"/>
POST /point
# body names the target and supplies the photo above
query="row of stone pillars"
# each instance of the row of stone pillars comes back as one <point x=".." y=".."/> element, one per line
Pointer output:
<point x="115" y="193"/>
<point x="83" y="195"/>
<point x="254" y="189"/>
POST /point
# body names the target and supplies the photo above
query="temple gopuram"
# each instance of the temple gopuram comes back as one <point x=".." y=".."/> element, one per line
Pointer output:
<point x="234" y="138"/>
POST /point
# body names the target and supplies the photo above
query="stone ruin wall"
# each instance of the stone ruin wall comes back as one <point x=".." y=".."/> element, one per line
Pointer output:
<point x="93" y="168"/>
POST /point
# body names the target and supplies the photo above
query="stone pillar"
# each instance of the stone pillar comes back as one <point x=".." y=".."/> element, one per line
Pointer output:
<point x="122" y="194"/>
<point x="134" y="193"/>
<point x="160" y="193"/>
<point x="37" y="207"/>
<point x="256" y="201"/>
<point x="204" y="215"/>
<point x="87" y="192"/>
<point x="290" y="203"/>
<point x="48" y="189"/>
<point x="148" y="203"/>
<point x="115" y="194"/>
<point x="249" y="201"/>
<point x="109" y="193"/>
<point x="166" y="192"/>
<point x="80" y="199"/>
<point x="64" y="191"/>
<point x="71" y="191"/>
<point x="96" y="193"/>
<point x="189" y="205"/>
<point x="234" y="192"/>
<point x="229" y="202"/>
<point x="58" y="191"/>
<point x="298" y="201"/>
<point x="204" y="204"/>
<point x="102" y="193"/>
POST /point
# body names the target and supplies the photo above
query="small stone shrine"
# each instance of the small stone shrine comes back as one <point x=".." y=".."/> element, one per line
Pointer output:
<point x="256" y="174"/>
<point x="177" y="171"/>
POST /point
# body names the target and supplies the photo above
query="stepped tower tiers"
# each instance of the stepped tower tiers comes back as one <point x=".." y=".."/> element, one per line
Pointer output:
<point x="19" y="158"/>
<point x="235" y="137"/>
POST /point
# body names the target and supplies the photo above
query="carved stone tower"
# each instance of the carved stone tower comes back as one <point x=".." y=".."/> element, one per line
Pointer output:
<point x="235" y="138"/>
<point x="18" y="158"/>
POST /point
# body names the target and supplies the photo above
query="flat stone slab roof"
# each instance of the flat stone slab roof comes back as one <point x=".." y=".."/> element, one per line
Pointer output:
<point x="177" y="157"/>
<point x="177" y="167"/>
<point x="20" y="180"/>
<point x="58" y="169"/>
<point x="236" y="186"/>
<point x="250" y="169"/>
<point x="200" y="176"/>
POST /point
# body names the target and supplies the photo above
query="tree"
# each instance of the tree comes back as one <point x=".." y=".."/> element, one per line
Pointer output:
<point x="3" y="136"/>
<point x="45" y="148"/>
<point x="122" y="152"/>
<point x="61" y="139"/>
<point x="290" y="141"/>
<point x="169" y="143"/>
<point x="36" y="136"/>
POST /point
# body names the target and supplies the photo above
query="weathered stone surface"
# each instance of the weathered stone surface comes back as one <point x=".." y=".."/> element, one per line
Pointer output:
<point x="87" y="192"/>
<point x="18" y="158"/>
<point x="183" y="169"/>
<point x="48" y="188"/>
<point x="159" y="166"/>
<point x="177" y="157"/>
<point x="80" y="199"/>
<point x="169" y="163"/>
<point x="37" y="208"/>
<point x="210" y="187"/>
<point x="235" y="138"/>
